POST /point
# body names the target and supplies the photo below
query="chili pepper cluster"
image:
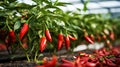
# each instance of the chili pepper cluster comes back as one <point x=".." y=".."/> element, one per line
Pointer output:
<point x="99" y="58"/>
<point x="43" y="40"/>
<point x="60" y="42"/>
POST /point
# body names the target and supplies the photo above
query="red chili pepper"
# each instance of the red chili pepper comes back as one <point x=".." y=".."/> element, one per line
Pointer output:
<point x="67" y="42"/>
<point x="60" y="41"/>
<point x="23" y="17"/>
<point x="40" y="66"/>
<point x="12" y="36"/>
<point x="110" y="63"/>
<point x="88" y="39"/>
<point x="48" y="36"/>
<point x="2" y="46"/>
<point x="71" y="37"/>
<point x="23" y="30"/>
<point x="43" y="42"/>
<point x="112" y="36"/>
<point x="109" y="44"/>
<point x="24" y="45"/>
<point x="66" y="63"/>
<point x="92" y="37"/>
<point x="90" y="64"/>
<point x="104" y="37"/>
<point x="47" y="63"/>
<point x="52" y="63"/>
<point x="98" y="38"/>
<point x="24" y="40"/>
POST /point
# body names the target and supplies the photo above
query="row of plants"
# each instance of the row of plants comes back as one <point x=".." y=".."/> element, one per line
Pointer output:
<point x="45" y="27"/>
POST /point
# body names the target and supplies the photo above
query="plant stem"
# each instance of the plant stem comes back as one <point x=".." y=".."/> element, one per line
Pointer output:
<point x="24" y="50"/>
<point x="8" y="25"/>
<point x="29" y="19"/>
<point x="27" y="56"/>
<point x="8" y="50"/>
<point x="35" y="58"/>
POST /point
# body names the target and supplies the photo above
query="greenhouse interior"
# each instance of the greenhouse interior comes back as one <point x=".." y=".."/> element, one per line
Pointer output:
<point x="59" y="33"/>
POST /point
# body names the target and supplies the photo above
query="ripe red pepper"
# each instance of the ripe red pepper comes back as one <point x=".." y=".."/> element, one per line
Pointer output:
<point x="98" y="38"/>
<point x="52" y="63"/>
<point x="110" y="63"/>
<point x="43" y="42"/>
<point x="90" y="64"/>
<point x="67" y="42"/>
<point x="108" y="44"/>
<point x="48" y="36"/>
<point x="92" y="37"/>
<point x="12" y="36"/>
<point x="104" y="37"/>
<point x="2" y="46"/>
<point x="112" y="36"/>
<point x="23" y="30"/>
<point x="60" y="41"/>
<point x="71" y="37"/>
<point x="47" y="63"/>
<point x="88" y="39"/>
<point x="66" y="63"/>
<point x="40" y="66"/>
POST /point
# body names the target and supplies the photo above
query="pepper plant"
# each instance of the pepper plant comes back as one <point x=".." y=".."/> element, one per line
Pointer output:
<point x="45" y="27"/>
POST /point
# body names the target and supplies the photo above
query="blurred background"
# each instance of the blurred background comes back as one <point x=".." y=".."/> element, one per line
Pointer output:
<point x="94" y="6"/>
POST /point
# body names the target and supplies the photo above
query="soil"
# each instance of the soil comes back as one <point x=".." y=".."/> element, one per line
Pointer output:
<point x="18" y="64"/>
<point x="19" y="59"/>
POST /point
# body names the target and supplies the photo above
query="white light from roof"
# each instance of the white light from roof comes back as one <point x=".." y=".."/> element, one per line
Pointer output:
<point x="68" y="1"/>
<point x="80" y="5"/>
<point x="63" y="8"/>
<point x="110" y="4"/>
<point x="93" y="6"/>
<point x="96" y="11"/>
<point x="71" y="8"/>
<point x="27" y="1"/>
<point x="115" y="10"/>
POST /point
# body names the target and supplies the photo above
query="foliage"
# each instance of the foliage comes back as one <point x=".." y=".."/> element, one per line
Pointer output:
<point x="45" y="14"/>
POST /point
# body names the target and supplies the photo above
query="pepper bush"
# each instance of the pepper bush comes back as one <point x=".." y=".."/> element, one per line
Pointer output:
<point x="44" y="26"/>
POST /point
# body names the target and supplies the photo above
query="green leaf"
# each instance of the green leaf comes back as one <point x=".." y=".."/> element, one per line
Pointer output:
<point x="24" y="5"/>
<point x="75" y="35"/>
<point x="17" y="25"/>
<point x="3" y="13"/>
<point x="85" y="5"/>
<point x="12" y="1"/>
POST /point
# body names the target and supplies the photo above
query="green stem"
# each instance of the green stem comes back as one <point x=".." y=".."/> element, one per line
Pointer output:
<point x="35" y="58"/>
<point x="12" y="51"/>
<point x="29" y="37"/>
<point x="24" y="51"/>
<point x="27" y="56"/>
<point x="8" y="50"/>
<point x="8" y="25"/>
<point x="46" y="26"/>
<point x="29" y="19"/>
